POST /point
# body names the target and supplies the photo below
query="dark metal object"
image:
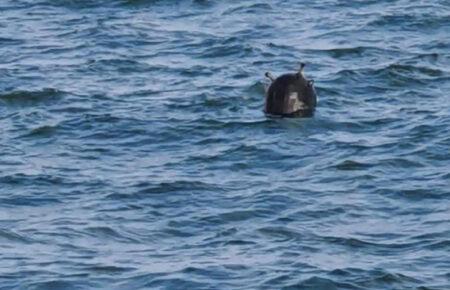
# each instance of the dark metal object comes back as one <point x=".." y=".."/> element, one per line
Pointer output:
<point x="290" y="95"/>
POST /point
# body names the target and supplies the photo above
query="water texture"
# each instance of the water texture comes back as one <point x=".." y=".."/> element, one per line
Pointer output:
<point x="134" y="153"/>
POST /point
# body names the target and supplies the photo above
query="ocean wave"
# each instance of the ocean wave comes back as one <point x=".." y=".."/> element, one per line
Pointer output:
<point x="30" y="98"/>
<point x="410" y="21"/>
<point x="134" y="152"/>
<point x="250" y="9"/>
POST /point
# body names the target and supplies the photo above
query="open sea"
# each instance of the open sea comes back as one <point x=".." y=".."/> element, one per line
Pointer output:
<point x="134" y="153"/>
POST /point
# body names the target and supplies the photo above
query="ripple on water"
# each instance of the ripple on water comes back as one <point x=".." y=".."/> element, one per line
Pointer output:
<point x="30" y="98"/>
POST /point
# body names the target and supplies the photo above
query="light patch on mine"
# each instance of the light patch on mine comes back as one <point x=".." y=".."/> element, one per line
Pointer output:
<point x="295" y="103"/>
<point x="302" y="105"/>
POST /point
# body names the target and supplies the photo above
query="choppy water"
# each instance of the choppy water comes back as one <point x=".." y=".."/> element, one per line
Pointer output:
<point x="134" y="153"/>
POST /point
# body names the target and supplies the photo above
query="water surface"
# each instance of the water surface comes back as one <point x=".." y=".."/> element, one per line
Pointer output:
<point x="134" y="153"/>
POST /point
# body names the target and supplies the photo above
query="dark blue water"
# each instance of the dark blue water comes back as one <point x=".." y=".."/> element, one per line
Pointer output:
<point x="134" y="153"/>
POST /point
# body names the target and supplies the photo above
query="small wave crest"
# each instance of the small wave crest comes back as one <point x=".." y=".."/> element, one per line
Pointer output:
<point x="30" y="98"/>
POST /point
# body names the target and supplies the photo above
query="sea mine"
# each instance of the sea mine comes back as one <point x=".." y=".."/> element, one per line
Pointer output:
<point x="290" y="95"/>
